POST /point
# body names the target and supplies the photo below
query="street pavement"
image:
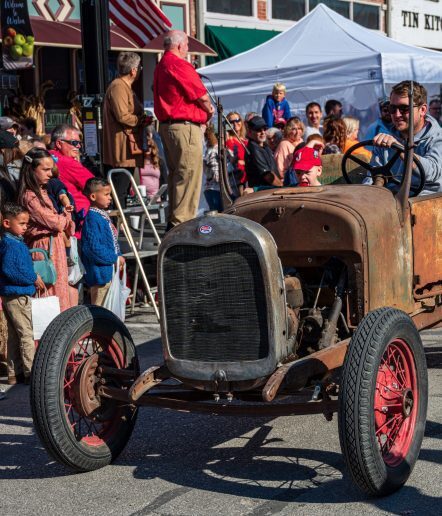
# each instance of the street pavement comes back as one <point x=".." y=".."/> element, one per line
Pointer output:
<point x="190" y="464"/>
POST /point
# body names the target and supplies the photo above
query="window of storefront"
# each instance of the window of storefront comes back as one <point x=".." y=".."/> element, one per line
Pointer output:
<point x="236" y="7"/>
<point x="363" y="13"/>
<point x="176" y="12"/>
<point x="288" y="9"/>
<point x="55" y="66"/>
<point x="366" y="15"/>
<point x="339" y="6"/>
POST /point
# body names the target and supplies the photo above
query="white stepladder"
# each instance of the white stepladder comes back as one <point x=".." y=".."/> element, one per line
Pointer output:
<point x="138" y="253"/>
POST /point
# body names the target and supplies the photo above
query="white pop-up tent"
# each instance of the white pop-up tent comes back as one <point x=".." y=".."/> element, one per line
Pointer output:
<point x="323" y="56"/>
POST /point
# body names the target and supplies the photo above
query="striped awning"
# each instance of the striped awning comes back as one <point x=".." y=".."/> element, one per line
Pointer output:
<point x="68" y="34"/>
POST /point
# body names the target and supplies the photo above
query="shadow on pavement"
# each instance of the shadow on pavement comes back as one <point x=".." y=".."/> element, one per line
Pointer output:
<point x="217" y="454"/>
<point x="434" y="357"/>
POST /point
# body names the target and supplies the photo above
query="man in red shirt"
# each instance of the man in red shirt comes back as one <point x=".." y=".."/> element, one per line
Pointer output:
<point x="66" y="144"/>
<point x="182" y="107"/>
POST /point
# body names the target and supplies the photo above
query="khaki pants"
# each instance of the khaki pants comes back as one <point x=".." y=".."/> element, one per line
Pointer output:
<point x="98" y="293"/>
<point x="3" y="336"/>
<point x="183" y="146"/>
<point x="21" y="346"/>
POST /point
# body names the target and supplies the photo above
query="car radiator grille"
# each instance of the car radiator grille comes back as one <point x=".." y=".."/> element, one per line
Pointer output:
<point x="215" y="303"/>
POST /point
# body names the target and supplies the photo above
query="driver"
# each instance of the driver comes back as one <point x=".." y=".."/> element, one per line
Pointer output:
<point x="427" y="137"/>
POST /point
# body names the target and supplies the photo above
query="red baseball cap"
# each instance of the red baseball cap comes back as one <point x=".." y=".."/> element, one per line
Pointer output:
<point x="306" y="158"/>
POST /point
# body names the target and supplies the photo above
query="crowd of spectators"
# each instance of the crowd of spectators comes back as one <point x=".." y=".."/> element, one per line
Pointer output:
<point x="48" y="197"/>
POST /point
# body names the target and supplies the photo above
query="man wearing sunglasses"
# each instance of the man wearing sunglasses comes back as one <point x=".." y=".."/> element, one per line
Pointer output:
<point x="261" y="166"/>
<point x="427" y="136"/>
<point x="65" y="149"/>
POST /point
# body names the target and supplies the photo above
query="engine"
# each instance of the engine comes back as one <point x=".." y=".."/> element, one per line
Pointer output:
<point x="230" y="314"/>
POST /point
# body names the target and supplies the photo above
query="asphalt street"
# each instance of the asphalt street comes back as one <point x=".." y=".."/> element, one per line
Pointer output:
<point x="188" y="464"/>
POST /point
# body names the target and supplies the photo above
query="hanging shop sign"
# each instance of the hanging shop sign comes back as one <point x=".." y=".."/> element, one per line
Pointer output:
<point x="17" y="35"/>
<point x="417" y="22"/>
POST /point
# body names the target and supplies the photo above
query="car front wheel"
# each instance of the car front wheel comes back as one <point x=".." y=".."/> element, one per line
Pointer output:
<point x="383" y="401"/>
<point x="83" y="348"/>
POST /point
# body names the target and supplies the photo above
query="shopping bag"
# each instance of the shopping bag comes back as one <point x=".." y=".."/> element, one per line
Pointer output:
<point x="44" y="311"/>
<point x="118" y="292"/>
<point x="76" y="271"/>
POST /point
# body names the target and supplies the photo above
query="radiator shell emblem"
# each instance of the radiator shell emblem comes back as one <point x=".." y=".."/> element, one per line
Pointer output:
<point x="205" y="229"/>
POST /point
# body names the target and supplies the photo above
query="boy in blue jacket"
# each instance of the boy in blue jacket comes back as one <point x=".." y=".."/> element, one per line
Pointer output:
<point x="18" y="282"/>
<point x="276" y="110"/>
<point x="99" y="240"/>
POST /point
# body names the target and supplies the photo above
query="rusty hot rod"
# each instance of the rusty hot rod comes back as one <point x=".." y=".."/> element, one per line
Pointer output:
<point x="294" y="301"/>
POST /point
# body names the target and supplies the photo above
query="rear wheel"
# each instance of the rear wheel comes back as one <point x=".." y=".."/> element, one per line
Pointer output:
<point x="383" y="401"/>
<point x="84" y="347"/>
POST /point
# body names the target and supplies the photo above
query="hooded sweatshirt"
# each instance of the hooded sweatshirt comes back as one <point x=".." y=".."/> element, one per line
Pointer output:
<point x="428" y="146"/>
<point x="273" y="111"/>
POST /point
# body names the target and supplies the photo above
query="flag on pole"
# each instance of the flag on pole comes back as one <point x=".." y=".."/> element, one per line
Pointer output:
<point x="142" y="20"/>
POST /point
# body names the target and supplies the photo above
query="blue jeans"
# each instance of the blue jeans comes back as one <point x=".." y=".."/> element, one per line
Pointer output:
<point x="213" y="198"/>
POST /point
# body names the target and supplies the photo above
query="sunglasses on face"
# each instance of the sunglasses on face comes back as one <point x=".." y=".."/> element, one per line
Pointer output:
<point x="74" y="143"/>
<point x="403" y="108"/>
<point x="235" y="121"/>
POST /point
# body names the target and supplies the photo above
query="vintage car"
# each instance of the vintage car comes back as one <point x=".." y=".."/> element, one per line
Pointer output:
<point x="293" y="301"/>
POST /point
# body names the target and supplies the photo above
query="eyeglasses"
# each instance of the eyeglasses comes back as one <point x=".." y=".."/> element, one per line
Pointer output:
<point x="235" y="121"/>
<point x="403" y="108"/>
<point x="74" y="143"/>
<point x="260" y="130"/>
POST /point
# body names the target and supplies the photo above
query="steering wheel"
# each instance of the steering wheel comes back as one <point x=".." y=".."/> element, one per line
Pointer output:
<point x="383" y="170"/>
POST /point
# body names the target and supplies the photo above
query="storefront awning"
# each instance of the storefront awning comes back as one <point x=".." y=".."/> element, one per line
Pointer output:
<point x="230" y="41"/>
<point x="68" y="34"/>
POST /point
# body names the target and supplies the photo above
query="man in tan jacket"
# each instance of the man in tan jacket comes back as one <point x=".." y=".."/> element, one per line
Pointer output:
<point x="123" y="116"/>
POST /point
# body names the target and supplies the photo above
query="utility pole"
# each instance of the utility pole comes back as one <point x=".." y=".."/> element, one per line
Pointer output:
<point x="95" y="40"/>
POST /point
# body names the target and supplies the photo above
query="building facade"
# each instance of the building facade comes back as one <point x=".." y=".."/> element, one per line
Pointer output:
<point x="233" y="26"/>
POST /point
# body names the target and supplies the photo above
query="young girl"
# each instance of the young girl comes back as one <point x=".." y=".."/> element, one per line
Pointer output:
<point x="150" y="173"/>
<point x="45" y="224"/>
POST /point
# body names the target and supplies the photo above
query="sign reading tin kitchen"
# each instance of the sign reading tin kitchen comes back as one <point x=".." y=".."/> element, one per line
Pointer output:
<point x="417" y="22"/>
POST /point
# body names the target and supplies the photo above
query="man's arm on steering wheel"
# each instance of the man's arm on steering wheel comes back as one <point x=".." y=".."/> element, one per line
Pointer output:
<point x="385" y="141"/>
<point x="431" y="161"/>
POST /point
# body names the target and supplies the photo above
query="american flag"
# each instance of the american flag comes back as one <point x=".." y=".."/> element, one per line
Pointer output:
<point x="142" y="20"/>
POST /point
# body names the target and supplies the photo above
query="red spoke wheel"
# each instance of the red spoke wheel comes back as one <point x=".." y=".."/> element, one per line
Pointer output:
<point x="83" y="348"/>
<point x="383" y="401"/>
